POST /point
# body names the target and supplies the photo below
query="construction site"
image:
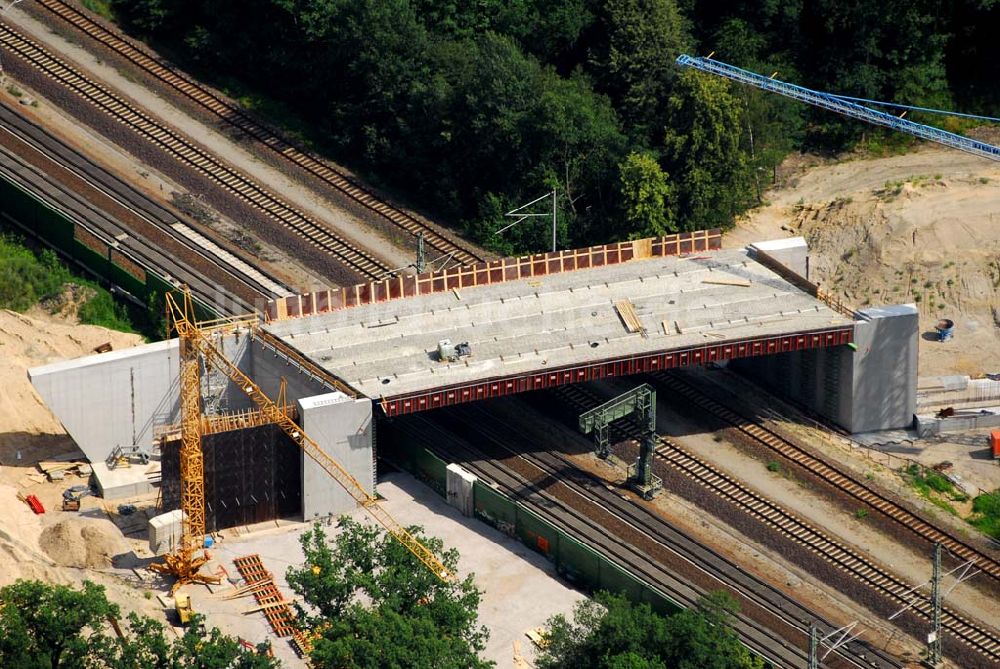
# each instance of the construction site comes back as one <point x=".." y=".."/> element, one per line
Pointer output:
<point x="801" y="411"/>
<point x="280" y="416"/>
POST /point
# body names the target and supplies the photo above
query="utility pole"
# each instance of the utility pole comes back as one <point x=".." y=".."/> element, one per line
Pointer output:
<point x="813" y="647"/>
<point x="421" y="264"/>
<point x="553" y="220"/>
<point x="517" y="213"/>
<point x="934" y="638"/>
<point x="968" y="570"/>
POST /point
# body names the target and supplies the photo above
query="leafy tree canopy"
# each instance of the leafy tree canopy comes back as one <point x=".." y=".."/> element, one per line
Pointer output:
<point x="374" y="604"/>
<point x="609" y="632"/>
<point x="45" y="626"/>
<point x="473" y="107"/>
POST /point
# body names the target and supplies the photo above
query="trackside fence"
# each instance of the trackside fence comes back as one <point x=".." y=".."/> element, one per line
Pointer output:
<point x="573" y="560"/>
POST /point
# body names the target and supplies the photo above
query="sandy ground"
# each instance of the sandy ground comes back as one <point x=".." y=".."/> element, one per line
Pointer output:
<point x="305" y="199"/>
<point x="922" y="227"/>
<point x="57" y="546"/>
<point x="29" y="433"/>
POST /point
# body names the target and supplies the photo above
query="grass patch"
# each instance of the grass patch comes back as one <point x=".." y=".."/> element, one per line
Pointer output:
<point x="861" y="514"/>
<point x="935" y="487"/>
<point x="773" y="466"/>
<point x="99" y="7"/>
<point x="29" y="277"/>
<point x="986" y="513"/>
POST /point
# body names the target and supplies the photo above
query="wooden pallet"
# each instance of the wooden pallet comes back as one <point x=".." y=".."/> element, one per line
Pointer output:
<point x="275" y="607"/>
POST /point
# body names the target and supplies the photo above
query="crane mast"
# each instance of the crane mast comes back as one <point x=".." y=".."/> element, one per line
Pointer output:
<point x="840" y="105"/>
<point x="196" y="345"/>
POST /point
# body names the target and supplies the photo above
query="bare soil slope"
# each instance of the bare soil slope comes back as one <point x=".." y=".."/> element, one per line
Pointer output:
<point x="920" y="228"/>
<point x="28" y="428"/>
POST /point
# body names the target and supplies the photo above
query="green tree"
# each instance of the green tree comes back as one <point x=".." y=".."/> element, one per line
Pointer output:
<point x="609" y="632"/>
<point x="703" y="152"/>
<point x="375" y="604"/>
<point x="45" y="626"/>
<point x="646" y="197"/>
<point x="633" y="58"/>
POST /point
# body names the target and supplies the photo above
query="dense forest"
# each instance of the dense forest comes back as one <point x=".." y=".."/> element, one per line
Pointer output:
<point x="473" y="107"/>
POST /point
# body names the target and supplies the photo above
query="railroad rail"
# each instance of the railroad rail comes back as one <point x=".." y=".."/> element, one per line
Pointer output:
<point x="233" y="115"/>
<point x="121" y="219"/>
<point x="972" y="635"/>
<point x="187" y="153"/>
<point x="831" y="474"/>
<point x="641" y="541"/>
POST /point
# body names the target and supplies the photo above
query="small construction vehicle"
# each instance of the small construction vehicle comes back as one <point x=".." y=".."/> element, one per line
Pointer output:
<point x="182" y="602"/>
<point x="448" y="352"/>
<point x="72" y="497"/>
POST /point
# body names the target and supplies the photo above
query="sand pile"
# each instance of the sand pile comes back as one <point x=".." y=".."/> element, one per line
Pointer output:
<point x="28" y="341"/>
<point x="919" y="228"/>
<point x="82" y="542"/>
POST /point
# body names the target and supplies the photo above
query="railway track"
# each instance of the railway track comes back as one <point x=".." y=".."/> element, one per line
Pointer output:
<point x="831" y="474"/>
<point x="983" y="641"/>
<point x="646" y="543"/>
<point x="234" y="116"/>
<point x="187" y="153"/>
<point x="125" y="220"/>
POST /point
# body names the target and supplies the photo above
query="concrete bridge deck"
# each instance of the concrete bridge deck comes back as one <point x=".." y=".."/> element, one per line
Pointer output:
<point x="563" y="328"/>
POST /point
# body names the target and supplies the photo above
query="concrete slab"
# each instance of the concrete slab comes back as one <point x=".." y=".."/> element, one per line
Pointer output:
<point x="522" y="590"/>
<point x="123" y="482"/>
<point x="389" y="349"/>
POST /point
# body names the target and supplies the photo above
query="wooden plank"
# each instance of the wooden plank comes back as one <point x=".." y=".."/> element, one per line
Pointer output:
<point x="626" y="311"/>
<point x="270" y="605"/>
<point x="742" y="283"/>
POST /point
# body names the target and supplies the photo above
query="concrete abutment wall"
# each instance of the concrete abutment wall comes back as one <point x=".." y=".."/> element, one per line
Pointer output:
<point x="870" y="387"/>
<point x="118" y="398"/>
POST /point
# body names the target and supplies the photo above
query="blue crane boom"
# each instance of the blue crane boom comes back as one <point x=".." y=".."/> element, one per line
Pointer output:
<point x="840" y="105"/>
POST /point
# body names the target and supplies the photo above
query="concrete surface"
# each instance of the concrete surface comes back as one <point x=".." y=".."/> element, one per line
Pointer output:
<point x="121" y="397"/>
<point x="521" y="588"/>
<point x="871" y="388"/>
<point x="124" y="482"/>
<point x="517" y="327"/>
<point x="792" y="252"/>
<point x="113" y="398"/>
<point x="884" y="393"/>
<point x="342" y="427"/>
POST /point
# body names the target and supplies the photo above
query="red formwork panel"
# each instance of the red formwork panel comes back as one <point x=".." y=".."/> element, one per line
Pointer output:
<point x="494" y="271"/>
<point x="638" y="364"/>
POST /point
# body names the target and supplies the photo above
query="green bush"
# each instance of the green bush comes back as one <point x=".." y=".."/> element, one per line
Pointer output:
<point x="25" y="278"/>
<point x="938" y="482"/>
<point x="102" y="310"/>
<point x="986" y="513"/>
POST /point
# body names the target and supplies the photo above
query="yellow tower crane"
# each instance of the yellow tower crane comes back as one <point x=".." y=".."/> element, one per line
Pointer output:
<point x="196" y="344"/>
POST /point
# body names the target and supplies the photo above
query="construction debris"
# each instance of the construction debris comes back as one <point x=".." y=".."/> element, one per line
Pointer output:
<point x="538" y="636"/>
<point x="33" y="502"/>
<point x="281" y="616"/>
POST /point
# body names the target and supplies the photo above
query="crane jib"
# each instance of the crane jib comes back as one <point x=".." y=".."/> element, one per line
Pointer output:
<point x="841" y="106"/>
